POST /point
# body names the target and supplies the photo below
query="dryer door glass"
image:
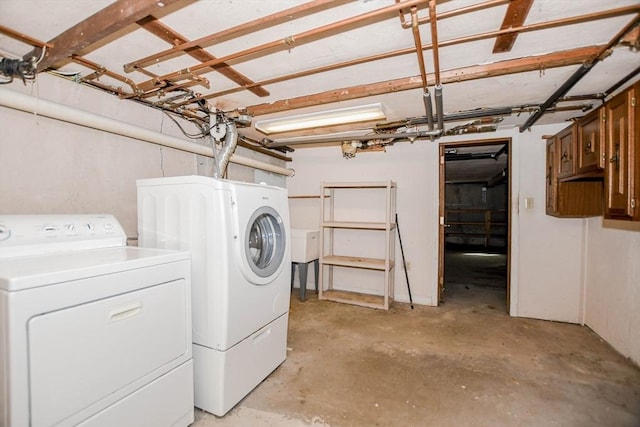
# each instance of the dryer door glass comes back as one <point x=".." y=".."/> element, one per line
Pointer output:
<point x="265" y="241"/>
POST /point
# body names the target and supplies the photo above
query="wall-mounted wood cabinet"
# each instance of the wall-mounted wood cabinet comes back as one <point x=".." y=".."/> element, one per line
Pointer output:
<point x="567" y="197"/>
<point x="622" y="156"/>
<point x="566" y="162"/>
<point x="593" y="166"/>
<point x="589" y="145"/>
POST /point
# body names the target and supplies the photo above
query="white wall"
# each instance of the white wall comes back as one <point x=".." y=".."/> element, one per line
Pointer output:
<point x="546" y="262"/>
<point x="548" y="272"/>
<point x="49" y="166"/>
<point x="612" y="306"/>
<point x="570" y="270"/>
<point x="414" y="167"/>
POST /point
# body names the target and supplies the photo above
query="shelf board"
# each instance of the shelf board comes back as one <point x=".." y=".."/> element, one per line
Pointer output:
<point x="359" y="225"/>
<point x="354" y="298"/>
<point x="357" y="262"/>
<point x="373" y="184"/>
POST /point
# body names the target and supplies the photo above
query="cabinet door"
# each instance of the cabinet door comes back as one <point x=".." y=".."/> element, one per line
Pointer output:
<point x="552" y="181"/>
<point x="566" y="143"/>
<point x="588" y="146"/>
<point x="619" y="156"/>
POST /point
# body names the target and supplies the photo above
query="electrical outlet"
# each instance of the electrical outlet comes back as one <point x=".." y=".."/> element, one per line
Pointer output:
<point x="528" y="203"/>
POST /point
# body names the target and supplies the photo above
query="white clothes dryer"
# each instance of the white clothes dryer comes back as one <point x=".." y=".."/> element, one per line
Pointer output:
<point x="92" y="332"/>
<point x="238" y="235"/>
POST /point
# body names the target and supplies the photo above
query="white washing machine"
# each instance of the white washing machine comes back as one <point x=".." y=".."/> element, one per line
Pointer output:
<point x="92" y="332"/>
<point x="238" y="235"/>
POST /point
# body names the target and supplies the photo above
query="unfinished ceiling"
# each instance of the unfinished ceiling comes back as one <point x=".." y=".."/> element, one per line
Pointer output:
<point x="499" y="62"/>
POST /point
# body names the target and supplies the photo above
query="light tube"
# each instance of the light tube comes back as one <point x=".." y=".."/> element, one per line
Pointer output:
<point x="339" y="116"/>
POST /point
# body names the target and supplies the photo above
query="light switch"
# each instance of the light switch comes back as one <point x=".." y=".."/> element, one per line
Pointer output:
<point x="528" y="203"/>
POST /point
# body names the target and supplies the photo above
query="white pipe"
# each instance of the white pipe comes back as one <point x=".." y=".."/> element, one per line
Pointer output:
<point x="30" y="104"/>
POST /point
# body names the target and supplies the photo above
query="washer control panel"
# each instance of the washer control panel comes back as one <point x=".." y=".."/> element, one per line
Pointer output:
<point x="22" y="235"/>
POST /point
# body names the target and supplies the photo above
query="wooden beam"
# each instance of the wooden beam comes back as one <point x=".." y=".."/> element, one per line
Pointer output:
<point x="244" y="28"/>
<point x="174" y="38"/>
<point x="288" y="42"/>
<point x="461" y="40"/>
<point x="511" y="66"/>
<point x="102" y="24"/>
<point x="516" y="14"/>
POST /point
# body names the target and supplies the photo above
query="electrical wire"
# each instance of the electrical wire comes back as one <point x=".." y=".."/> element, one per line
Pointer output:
<point x="205" y="129"/>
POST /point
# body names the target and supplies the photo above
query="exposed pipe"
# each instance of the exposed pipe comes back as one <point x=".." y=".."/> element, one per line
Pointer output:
<point x="434" y="43"/>
<point x="287" y="42"/>
<point x="439" y="108"/>
<point x="406" y="51"/>
<point x="621" y="82"/>
<point x="234" y="32"/>
<point x="411" y="136"/>
<point x="428" y="107"/>
<point x="418" y="42"/>
<point x="16" y="35"/>
<point x="455" y="12"/>
<point x="561" y="91"/>
<point x="22" y="102"/>
<point x="578" y="74"/>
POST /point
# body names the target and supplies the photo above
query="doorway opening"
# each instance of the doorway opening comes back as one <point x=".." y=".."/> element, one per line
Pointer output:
<point x="474" y="240"/>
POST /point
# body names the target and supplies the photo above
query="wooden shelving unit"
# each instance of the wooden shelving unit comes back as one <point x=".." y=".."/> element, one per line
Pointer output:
<point x="329" y="259"/>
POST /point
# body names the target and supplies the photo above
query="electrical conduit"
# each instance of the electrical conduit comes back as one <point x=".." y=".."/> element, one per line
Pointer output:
<point x="30" y="104"/>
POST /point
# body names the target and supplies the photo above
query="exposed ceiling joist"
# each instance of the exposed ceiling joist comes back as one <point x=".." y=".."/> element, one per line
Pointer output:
<point x="283" y="55"/>
<point x="552" y="60"/>
<point x="109" y="20"/>
<point x="237" y="31"/>
<point x="289" y="41"/>
<point x="465" y="39"/>
<point x="515" y="16"/>
<point x="172" y="37"/>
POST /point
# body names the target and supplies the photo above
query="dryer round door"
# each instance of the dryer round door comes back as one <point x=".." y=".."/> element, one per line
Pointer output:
<point x="265" y="242"/>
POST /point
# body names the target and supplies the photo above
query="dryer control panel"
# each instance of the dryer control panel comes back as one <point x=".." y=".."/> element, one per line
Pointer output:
<point x="23" y="235"/>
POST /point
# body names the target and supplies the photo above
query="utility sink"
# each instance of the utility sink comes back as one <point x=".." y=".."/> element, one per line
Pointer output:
<point x="304" y="245"/>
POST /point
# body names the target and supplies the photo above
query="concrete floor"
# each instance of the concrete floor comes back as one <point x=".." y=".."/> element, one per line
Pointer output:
<point x="465" y="363"/>
<point x="475" y="276"/>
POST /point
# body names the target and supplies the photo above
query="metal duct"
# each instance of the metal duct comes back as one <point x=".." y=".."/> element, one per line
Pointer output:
<point x="30" y="104"/>
<point x="228" y="147"/>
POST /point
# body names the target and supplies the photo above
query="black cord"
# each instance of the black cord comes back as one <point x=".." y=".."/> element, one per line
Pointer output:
<point x="204" y="129"/>
<point x="12" y="68"/>
<point x="200" y="135"/>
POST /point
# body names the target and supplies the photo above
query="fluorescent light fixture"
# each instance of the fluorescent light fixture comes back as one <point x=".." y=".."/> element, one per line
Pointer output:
<point x="339" y="116"/>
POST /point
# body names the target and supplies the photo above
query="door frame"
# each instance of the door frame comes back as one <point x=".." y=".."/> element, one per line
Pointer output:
<point x="441" y="208"/>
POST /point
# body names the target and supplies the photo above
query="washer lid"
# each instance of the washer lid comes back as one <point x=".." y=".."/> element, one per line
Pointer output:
<point x="28" y="272"/>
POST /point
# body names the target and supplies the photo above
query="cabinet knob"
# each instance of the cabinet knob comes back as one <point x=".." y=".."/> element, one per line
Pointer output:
<point x="565" y="156"/>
